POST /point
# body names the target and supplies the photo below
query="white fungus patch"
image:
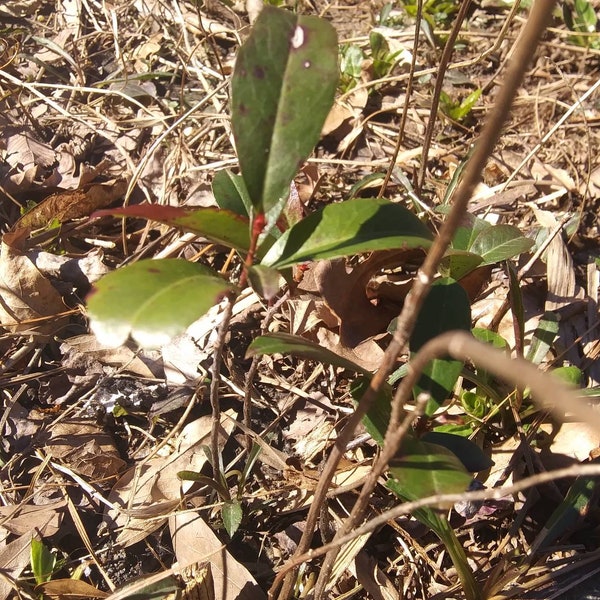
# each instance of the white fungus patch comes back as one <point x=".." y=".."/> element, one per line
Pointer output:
<point x="298" y="37"/>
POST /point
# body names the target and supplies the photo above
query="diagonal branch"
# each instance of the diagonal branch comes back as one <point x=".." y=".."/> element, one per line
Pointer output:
<point x="532" y="31"/>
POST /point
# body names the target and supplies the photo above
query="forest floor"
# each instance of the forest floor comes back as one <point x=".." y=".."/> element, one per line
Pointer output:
<point x="104" y="103"/>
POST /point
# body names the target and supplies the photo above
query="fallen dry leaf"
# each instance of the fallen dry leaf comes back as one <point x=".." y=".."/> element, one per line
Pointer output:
<point x="82" y="351"/>
<point x="69" y="589"/>
<point x="46" y="519"/>
<point x="84" y="447"/>
<point x="154" y="489"/>
<point x="72" y="204"/>
<point x="194" y="541"/>
<point x="346" y="294"/>
<point x="14" y="558"/>
<point x="25" y="294"/>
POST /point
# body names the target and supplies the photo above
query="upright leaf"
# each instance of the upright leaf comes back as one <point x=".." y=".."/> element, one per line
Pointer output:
<point x="231" y="194"/>
<point x="282" y="89"/>
<point x="43" y="561"/>
<point x="445" y="308"/>
<point x="232" y="514"/>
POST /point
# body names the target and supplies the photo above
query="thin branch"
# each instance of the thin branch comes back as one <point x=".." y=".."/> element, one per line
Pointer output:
<point x="550" y="394"/>
<point x="407" y="97"/>
<point x="437" y="90"/>
<point x="532" y="31"/>
<point x="443" y="500"/>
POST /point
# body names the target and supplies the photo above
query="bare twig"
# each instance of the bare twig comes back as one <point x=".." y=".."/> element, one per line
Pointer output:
<point x="533" y="29"/>
<point x="437" y="90"/>
<point x="407" y="97"/>
<point x="550" y="393"/>
<point x="214" y="391"/>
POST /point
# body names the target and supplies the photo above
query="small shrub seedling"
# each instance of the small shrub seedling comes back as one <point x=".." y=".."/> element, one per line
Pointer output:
<point x="282" y="89"/>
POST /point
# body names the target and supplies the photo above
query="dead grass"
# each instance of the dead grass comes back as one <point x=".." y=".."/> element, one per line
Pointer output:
<point x="134" y="97"/>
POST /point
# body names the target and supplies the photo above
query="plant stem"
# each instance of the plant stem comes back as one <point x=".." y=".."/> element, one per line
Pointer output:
<point x="550" y="394"/>
<point x="437" y="90"/>
<point x="215" y="369"/>
<point x="533" y="28"/>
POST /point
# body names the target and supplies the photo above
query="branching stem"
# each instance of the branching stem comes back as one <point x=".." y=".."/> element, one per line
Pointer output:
<point x="533" y="28"/>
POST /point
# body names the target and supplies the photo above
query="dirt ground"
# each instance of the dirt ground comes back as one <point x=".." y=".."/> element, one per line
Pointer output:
<point x="111" y="103"/>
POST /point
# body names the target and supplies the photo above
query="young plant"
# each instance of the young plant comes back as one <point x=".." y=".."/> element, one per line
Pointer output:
<point x="458" y="110"/>
<point x="282" y="88"/>
<point x="580" y="17"/>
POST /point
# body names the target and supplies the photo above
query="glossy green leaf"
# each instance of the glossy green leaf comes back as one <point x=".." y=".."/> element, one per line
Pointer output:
<point x="350" y="227"/>
<point x="368" y="181"/>
<point x="221" y="226"/>
<point x="568" y="513"/>
<point x="466" y="234"/>
<point x="153" y="590"/>
<point x="377" y="419"/>
<point x="500" y="242"/>
<point x="490" y="337"/>
<point x="580" y="16"/>
<point x="569" y="374"/>
<point x="543" y="337"/>
<point x="422" y="469"/>
<point x="282" y="89"/>
<point x="468" y="452"/>
<point x="152" y="300"/>
<point x="231" y="513"/>
<point x="265" y="282"/>
<point x="231" y="194"/>
<point x="437" y="380"/>
<point x="285" y="343"/>
<point x="446" y="308"/>
<point x="43" y="561"/>
<point x="430" y="468"/>
<point x="458" y="263"/>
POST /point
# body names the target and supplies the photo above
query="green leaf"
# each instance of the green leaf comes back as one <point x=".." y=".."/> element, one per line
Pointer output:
<point x="377" y="419"/>
<point x="231" y="194"/>
<point x="490" y="337"/>
<point x="438" y="380"/>
<point x="351" y="62"/>
<point x="152" y="300"/>
<point x="265" y="282"/>
<point x="460" y="111"/>
<point x="154" y="590"/>
<point x="580" y="16"/>
<point x="221" y="226"/>
<point x="231" y="513"/>
<point x="350" y="227"/>
<point x="469" y="453"/>
<point x="500" y="242"/>
<point x="458" y="263"/>
<point x="466" y="235"/>
<point x="445" y="308"/>
<point x="282" y="89"/>
<point x="543" y="338"/>
<point x="43" y="561"/>
<point x="572" y="375"/>
<point x="568" y="513"/>
<point x="284" y="343"/>
<point x="422" y="469"/>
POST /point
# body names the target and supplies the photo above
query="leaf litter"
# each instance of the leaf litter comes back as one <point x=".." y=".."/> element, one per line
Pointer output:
<point x="88" y="120"/>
